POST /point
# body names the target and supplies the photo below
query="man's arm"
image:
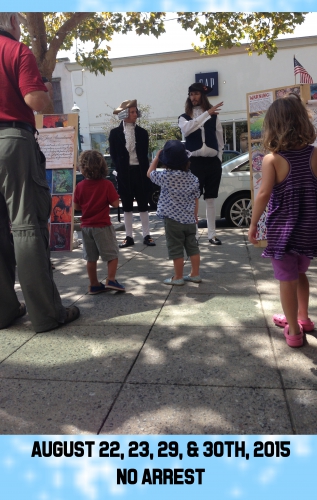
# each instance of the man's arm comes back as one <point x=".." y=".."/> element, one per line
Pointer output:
<point x="76" y="206"/>
<point x="189" y="126"/>
<point x="37" y="100"/>
<point x="112" y="148"/>
<point x="219" y="136"/>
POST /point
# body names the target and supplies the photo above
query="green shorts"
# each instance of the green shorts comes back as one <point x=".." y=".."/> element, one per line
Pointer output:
<point x="178" y="237"/>
<point x="99" y="241"/>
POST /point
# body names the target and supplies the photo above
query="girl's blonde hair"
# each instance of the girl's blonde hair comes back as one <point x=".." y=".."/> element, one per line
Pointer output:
<point x="93" y="165"/>
<point x="287" y="125"/>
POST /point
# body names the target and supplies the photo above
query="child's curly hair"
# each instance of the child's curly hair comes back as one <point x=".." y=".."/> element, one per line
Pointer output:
<point x="287" y="125"/>
<point x="93" y="165"/>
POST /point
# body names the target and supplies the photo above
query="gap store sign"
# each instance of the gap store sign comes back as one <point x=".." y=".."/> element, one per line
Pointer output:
<point x="210" y="79"/>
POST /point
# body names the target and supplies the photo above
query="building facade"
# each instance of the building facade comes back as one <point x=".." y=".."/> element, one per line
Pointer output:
<point x="162" y="81"/>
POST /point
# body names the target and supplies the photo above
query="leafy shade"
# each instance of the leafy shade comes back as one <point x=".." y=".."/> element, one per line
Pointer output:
<point x="230" y="29"/>
<point x="47" y="33"/>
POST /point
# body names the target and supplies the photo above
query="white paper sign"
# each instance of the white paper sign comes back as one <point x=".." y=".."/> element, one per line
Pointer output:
<point x="57" y="145"/>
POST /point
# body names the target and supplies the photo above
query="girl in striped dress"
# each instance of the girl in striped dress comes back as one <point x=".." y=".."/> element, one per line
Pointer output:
<point x="289" y="184"/>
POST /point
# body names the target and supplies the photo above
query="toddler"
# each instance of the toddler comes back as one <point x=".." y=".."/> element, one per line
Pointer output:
<point x="93" y="196"/>
<point x="178" y="206"/>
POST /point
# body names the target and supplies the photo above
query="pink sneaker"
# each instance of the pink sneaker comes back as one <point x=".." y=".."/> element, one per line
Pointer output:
<point x="280" y="320"/>
<point x="294" y="340"/>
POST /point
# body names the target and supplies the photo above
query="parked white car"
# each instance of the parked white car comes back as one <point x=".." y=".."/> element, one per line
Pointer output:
<point x="234" y="197"/>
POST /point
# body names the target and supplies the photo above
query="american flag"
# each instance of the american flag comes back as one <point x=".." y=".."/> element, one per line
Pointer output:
<point x="304" y="76"/>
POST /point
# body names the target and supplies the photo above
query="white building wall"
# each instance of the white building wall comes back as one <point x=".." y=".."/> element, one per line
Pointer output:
<point x="162" y="80"/>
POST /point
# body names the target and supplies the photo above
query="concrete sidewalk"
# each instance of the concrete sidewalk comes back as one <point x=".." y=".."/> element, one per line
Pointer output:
<point x="202" y="358"/>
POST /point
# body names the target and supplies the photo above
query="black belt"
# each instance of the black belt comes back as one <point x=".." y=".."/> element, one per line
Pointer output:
<point x="23" y="125"/>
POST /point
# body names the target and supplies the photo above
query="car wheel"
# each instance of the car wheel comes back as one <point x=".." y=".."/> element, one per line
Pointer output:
<point x="238" y="210"/>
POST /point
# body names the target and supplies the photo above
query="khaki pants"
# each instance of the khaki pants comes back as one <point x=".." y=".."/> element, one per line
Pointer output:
<point x="25" y="200"/>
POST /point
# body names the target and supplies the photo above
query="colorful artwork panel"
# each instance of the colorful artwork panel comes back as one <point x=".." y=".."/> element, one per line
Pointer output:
<point x="49" y="178"/>
<point x="60" y="237"/>
<point x="63" y="181"/>
<point x="256" y="124"/>
<point x="282" y="92"/>
<point x="61" y="209"/>
<point x="313" y="91"/>
<point x="54" y="121"/>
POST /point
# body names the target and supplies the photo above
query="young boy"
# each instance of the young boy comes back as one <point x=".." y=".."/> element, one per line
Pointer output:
<point x="93" y="196"/>
<point x="178" y="206"/>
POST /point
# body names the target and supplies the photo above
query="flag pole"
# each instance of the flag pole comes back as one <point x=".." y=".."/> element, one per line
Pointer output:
<point x="294" y="68"/>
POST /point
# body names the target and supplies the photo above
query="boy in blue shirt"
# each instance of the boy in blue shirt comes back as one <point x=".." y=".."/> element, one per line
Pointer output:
<point x="178" y="206"/>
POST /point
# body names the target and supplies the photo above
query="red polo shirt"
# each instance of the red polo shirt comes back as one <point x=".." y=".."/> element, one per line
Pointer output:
<point x="19" y="75"/>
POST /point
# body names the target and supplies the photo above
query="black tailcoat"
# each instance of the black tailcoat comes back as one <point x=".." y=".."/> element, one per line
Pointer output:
<point x="120" y="157"/>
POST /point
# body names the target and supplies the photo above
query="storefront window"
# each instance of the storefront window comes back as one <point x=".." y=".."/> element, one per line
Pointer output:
<point x="235" y="136"/>
<point x="99" y="142"/>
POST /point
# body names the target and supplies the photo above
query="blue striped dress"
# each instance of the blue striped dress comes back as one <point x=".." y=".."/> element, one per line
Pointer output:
<point x="292" y="211"/>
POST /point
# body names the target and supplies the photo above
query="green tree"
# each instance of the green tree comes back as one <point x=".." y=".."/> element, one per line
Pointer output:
<point x="47" y="33"/>
<point x="230" y="29"/>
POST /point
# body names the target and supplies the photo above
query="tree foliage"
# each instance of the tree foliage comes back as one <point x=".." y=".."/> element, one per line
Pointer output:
<point x="47" y="33"/>
<point x="230" y="29"/>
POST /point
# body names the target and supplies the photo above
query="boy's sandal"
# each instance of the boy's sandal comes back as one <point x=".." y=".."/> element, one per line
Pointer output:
<point x="280" y="320"/>
<point x="114" y="285"/>
<point x="93" y="290"/>
<point x="294" y="340"/>
<point x="171" y="281"/>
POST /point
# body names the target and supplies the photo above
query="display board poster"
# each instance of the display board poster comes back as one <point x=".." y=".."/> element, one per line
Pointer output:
<point x="58" y="142"/>
<point x="257" y="105"/>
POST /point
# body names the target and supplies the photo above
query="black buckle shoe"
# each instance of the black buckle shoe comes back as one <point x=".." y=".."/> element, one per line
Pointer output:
<point x="128" y="242"/>
<point x="215" y="241"/>
<point x="148" y="241"/>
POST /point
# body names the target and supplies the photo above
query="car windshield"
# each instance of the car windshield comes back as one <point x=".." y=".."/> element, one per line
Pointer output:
<point x="243" y="167"/>
<point x="236" y="160"/>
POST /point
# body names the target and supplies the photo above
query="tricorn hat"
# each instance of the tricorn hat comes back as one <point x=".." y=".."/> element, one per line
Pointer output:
<point x="199" y="87"/>
<point x="130" y="103"/>
<point x="174" y="154"/>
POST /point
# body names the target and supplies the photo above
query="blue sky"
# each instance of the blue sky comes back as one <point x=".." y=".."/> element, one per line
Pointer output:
<point x="94" y="478"/>
<point x="27" y="478"/>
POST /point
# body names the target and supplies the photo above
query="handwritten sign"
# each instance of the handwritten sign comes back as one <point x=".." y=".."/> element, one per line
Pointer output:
<point x="57" y="145"/>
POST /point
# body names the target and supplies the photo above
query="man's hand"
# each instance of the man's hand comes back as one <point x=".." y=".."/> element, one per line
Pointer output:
<point x="214" y="110"/>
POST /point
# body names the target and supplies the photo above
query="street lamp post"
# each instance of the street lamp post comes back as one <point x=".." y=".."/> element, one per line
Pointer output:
<point x="76" y="109"/>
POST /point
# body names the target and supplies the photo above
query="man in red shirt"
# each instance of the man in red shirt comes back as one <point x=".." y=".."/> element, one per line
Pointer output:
<point x="25" y="198"/>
